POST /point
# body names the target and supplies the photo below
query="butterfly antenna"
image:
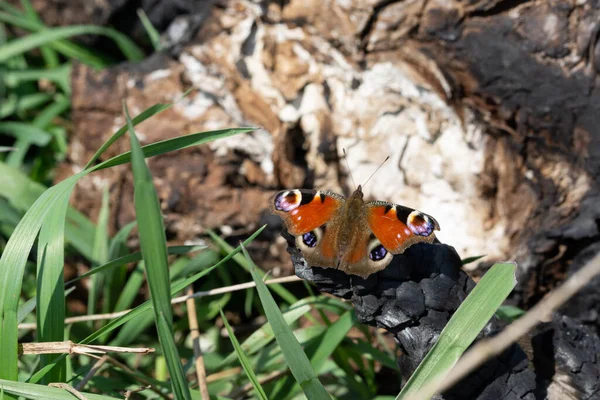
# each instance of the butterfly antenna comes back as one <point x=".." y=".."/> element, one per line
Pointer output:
<point x="349" y="170"/>
<point x="380" y="165"/>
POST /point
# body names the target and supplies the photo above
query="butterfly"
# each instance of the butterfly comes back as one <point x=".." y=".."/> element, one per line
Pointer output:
<point x="348" y="234"/>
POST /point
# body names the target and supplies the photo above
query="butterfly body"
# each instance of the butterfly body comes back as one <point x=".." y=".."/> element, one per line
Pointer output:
<point x="348" y="234"/>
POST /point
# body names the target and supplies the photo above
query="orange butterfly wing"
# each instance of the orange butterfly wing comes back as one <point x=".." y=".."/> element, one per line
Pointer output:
<point x="305" y="210"/>
<point x="399" y="227"/>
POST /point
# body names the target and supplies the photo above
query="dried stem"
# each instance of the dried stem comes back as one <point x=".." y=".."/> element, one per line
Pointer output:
<point x="176" y="300"/>
<point x="264" y="380"/>
<point x="138" y="377"/>
<point x="195" y="333"/>
<point x="73" y="391"/>
<point x="95" y="368"/>
<point x="69" y="347"/>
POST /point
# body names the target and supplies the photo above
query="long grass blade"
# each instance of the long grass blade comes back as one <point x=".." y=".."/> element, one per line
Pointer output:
<point x="22" y="192"/>
<point x="46" y="36"/>
<point x="277" y="288"/>
<point x="134" y="257"/>
<point x="50" y="295"/>
<point x="244" y="361"/>
<point x="153" y="243"/>
<point x="99" y="256"/>
<point x="13" y="16"/>
<point x="178" y="143"/>
<point x="27" y="132"/>
<point x="463" y="328"/>
<point x="40" y="392"/>
<point x="12" y="266"/>
<point x="296" y="358"/>
<point x="153" y="34"/>
<point x="321" y="348"/>
<point x="264" y="335"/>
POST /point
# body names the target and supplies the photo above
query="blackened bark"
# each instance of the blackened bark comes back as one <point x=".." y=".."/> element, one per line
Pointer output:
<point x="414" y="298"/>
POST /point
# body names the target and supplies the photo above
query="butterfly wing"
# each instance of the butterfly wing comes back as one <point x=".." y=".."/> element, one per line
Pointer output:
<point x="307" y="214"/>
<point x="398" y="227"/>
<point x="303" y="211"/>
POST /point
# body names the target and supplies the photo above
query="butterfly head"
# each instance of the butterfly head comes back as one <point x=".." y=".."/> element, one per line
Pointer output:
<point x="357" y="194"/>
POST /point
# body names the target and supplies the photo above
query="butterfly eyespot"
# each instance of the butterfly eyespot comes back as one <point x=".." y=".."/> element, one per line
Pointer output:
<point x="310" y="239"/>
<point x="421" y="224"/>
<point x="379" y="256"/>
<point x="288" y="200"/>
<point x="378" y="253"/>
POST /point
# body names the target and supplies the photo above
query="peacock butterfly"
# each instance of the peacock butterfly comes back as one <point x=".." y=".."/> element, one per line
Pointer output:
<point x="348" y="234"/>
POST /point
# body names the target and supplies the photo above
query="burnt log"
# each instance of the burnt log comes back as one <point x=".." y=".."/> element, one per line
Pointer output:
<point x="414" y="298"/>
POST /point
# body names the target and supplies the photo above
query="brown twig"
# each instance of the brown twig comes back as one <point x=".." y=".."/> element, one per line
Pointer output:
<point x="264" y="380"/>
<point x="195" y="333"/>
<point x="95" y="368"/>
<point x="217" y="376"/>
<point x="137" y="376"/>
<point x="176" y="300"/>
<point x="129" y="392"/>
<point x="73" y="391"/>
<point x="233" y="288"/>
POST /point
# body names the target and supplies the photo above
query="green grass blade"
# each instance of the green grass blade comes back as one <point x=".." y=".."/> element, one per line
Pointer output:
<point x="118" y="244"/>
<point x="264" y="335"/>
<point x="178" y="143"/>
<point x="463" y="327"/>
<point x="20" y="104"/>
<point x="373" y="353"/>
<point x="16" y="251"/>
<point x="46" y="36"/>
<point x="321" y="348"/>
<point x="296" y="358"/>
<point x="50" y="295"/>
<point x="244" y="361"/>
<point x="131" y="289"/>
<point x="277" y="288"/>
<point x="144" y="115"/>
<point x="50" y="56"/>
<point x="30" y="305"/>
<point x="150" y="30"/>
<point x="60" y="75"/>
<point x="510" y="313"/>
<point x="40" y="392"/>
<point x="80" y="232"/>
<point x="30" y="133"/>
<point x="22" y="192"/>
<point x="153" y="243"/>
<point x="99" y="255"/>
<point x="64" y="46"/>
<point x="134" y="257"/>
<point x="12" y="267"/>
<point x="470" y="260"/>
